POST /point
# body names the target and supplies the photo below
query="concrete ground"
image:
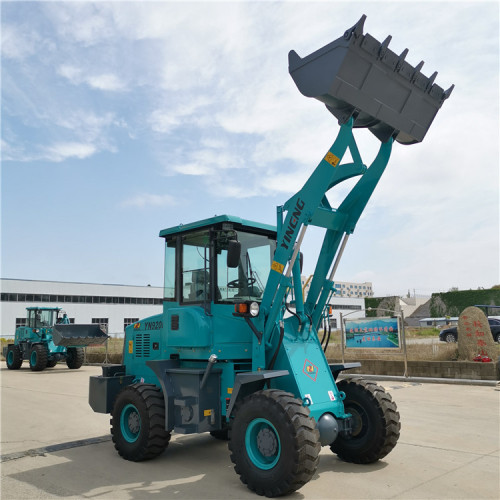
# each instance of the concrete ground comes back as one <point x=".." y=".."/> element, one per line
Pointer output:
<point x="54" y="446"/>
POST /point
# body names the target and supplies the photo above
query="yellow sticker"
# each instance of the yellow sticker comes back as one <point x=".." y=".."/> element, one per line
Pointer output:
<point x="229" y="390"/>
<point x="137" y="326"/>
<point x="332" y="159"/>
<point x="130" y="346"/>
<point x="276" y="266"/>
<point x="207" y="413"/>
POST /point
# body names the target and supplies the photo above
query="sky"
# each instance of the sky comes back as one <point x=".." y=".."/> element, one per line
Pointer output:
<point x="119" y="119"/>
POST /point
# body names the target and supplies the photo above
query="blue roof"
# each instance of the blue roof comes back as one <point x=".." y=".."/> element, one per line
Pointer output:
<point x="43" y="309"/>
<point x="215" y="220"/>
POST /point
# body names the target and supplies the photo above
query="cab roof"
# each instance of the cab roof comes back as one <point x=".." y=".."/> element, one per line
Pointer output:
<point x="43" y="309"/>
<point x="219" y="219"/>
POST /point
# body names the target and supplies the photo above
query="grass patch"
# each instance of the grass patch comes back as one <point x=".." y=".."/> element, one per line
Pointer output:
<point x="418" y="333"/>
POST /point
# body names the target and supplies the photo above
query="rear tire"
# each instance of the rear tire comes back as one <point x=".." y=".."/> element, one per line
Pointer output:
<point x="74" y="358"/>
<point x="375" y="421"/>
<point x="274" y="443"/>
<point x="138" y="423"/>
<point x="14" y="358"/>
<point x="38" y="358"/>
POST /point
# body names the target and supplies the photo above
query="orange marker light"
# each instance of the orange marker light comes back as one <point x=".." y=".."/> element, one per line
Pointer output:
<point x="241" y="308"/>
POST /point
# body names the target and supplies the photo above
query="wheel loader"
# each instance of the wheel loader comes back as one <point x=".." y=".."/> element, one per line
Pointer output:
<point x="49" y="337"/>
<point x="235" y="351"/>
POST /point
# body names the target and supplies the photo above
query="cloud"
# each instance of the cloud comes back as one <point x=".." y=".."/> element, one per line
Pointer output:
<point x="66" y="150"/>
<point x="144" y="200"/>
<point x="103" y="81"/>
<point x="18" y="42"/>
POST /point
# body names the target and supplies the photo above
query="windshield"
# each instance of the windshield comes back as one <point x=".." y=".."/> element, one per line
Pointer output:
<point x="248" y="280"/>
<point x="40" y="318"/>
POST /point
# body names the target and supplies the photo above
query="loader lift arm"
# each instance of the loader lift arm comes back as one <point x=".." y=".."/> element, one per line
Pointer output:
<point x="311" y="207"/>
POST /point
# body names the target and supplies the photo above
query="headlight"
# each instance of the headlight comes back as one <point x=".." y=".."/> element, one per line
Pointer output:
<point x="254" y="309"/>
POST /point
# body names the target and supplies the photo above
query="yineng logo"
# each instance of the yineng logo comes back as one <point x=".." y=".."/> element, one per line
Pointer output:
<point x="310" y="369"/>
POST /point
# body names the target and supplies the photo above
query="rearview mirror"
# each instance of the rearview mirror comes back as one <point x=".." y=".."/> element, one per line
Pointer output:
<point x="233" y="253"/>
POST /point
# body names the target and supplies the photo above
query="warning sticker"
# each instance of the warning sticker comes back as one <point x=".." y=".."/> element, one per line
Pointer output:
<point x="332" y="395"/>
<point x="332" y="159"/>
<point x="276" y="266"/>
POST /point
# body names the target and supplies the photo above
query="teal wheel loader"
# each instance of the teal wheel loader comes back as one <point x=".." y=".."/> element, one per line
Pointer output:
<point x="49" y="337"/>
<point x="236" y="351"/>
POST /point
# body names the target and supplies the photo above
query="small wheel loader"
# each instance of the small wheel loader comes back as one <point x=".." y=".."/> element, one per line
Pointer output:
<point x="49" y="337"/>
<point x="228" y="355"/>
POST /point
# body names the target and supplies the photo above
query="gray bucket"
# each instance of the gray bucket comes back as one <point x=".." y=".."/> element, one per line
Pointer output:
<point x="78" y="335"/>
<point x="358" y="77"/>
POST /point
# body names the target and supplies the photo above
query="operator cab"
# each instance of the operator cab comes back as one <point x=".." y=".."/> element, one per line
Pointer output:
<point x="39" y="317"/>
<point x="223" y="260"/>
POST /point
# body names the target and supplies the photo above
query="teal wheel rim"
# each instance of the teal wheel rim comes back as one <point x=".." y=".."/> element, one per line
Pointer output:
<point x="130" y="423"/>
<point x="262" y="443"/>
<point x="10" y="357"/>
<point x="33" y="358"/>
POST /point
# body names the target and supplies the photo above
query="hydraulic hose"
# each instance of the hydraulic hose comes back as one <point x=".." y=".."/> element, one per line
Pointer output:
<point x="280" y="341"/>
<point x="294" y="314"/>
<point x="324" y="332"/>
<point x="328" y="338"/>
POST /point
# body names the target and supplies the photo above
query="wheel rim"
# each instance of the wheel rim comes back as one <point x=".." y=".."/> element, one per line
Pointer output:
<point x="33" y="358"/>
<point x="10" y="357"/>
<point x="262" y="443"/>
<point x="130" y="423"/>
<point x="450" y="338"/>
<point x="360" y="421"/>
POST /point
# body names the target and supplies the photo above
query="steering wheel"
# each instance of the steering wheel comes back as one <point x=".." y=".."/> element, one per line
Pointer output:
<point x="241" y="283"/>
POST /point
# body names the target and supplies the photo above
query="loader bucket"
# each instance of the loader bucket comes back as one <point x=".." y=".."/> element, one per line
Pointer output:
<point x="358" y="77"/>
<point x="78" y="335"/>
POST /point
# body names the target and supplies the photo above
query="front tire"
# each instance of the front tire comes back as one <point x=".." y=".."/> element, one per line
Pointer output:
<point x="450" y="338"/>
<point x="274" y="443"/>
<point x="138" y="423"/>
<point x="375" y="421"/>
<point x="74" y="358"/>
<point x="38" y="358"/>
<point x="14" y="358"/>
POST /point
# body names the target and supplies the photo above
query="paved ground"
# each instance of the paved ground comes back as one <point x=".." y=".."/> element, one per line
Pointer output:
<point x="449" y="448"/>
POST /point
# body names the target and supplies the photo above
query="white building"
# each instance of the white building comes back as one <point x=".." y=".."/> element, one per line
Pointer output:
<point x="348" y="303"/>
<point x="352" y="289"/>
<point x="344" y="288"/>
<point x="114" y="306"/>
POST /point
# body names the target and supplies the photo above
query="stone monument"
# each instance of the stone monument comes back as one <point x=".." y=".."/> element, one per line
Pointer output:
<point x="474" y="336"/>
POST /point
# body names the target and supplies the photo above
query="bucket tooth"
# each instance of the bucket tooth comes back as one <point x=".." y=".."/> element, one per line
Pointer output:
<point x="431" y="81"/>
<point x="358" y="77"/>
<point x="384" y="46"/>
<point x="418" y="67"/>
<point x="401" y="59"/>
<point x="448" y="92"/>
<point x="357" y="29"/>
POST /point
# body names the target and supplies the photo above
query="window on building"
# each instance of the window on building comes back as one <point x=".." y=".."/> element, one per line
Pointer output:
<point x="20" y="322"/>
<point x="103" y="322"/>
